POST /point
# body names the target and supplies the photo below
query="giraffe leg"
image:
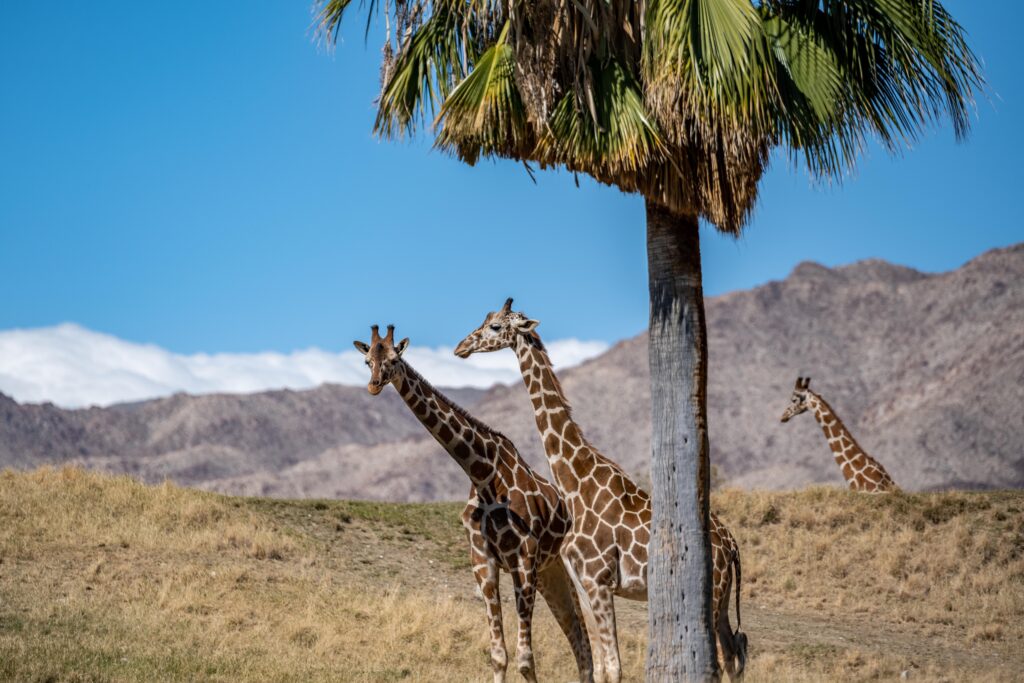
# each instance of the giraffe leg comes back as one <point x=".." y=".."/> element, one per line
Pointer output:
<point x="558" y="592"/>
<point x="602" y="605"/>
<point x="583" y="600"/>
<point x="723" y="629"/>
<point x="485" y="570"/>
<point x="524" y="579"/>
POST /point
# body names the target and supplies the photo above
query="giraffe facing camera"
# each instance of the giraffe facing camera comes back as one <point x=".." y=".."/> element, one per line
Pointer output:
<point x="515" y="520"/>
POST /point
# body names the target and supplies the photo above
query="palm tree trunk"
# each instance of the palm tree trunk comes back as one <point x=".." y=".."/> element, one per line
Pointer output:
<point x="682" y="640"/>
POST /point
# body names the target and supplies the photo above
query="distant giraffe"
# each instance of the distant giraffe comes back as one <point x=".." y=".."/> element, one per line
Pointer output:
<point x="862" y="472"/>
<point x="516" y="520"/>
<point x="606" y="550"/>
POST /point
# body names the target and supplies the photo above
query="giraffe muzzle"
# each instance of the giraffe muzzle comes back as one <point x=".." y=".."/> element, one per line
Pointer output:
<point x="374" y="388"/>
<point x="463" y="350"/>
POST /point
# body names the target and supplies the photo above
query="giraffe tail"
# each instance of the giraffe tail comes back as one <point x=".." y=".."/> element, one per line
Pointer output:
<point x="739" y="638"/>
<point x="738" y="575"/>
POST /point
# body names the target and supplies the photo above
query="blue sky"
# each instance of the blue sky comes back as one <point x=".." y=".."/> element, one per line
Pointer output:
<point x="201" y="177"/>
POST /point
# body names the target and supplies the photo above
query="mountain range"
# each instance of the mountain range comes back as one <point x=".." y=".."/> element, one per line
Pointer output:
<point x="927" y="371"/>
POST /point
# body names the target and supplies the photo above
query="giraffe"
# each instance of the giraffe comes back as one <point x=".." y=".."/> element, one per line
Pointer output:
<point x="862" y="472"/>
<point x="605" y="552"/>
<point x="515" y="520"/>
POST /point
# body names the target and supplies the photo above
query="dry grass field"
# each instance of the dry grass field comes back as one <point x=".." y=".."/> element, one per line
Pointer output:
<point x="104" y="578"/>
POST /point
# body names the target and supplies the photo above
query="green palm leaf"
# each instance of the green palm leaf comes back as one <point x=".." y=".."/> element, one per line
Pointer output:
<point x="621" y="137"/>
<point x="421" y="76"/>
<point x="484" y="114"/>
<point x="681" y="100"/>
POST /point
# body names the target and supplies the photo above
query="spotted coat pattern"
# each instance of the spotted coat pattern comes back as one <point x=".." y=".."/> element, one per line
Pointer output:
<point x="862" y="472"/>
<point x="516" y="520"/>
<point x="606" y="550"/>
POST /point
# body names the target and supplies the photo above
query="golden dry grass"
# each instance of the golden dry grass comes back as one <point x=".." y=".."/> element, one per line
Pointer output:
<point x="103" y="578"/>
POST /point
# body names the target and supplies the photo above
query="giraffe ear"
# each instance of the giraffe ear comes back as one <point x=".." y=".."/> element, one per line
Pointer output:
<point x="807" y="382"/>
<point x="401" y="346"/>
<point x="361" y="347"/>
<point x="528" y="325"/>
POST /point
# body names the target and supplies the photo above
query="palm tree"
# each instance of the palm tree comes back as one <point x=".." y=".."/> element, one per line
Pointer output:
<point x="682" y="101"/>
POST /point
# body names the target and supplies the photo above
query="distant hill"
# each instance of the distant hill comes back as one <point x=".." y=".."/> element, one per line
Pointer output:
<point x="927" y="370"/>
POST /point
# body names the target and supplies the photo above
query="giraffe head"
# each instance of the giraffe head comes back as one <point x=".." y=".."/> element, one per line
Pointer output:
<point x="499" y="331"/>
<point x="382" y="356"/>
<point x="798" y="401"/>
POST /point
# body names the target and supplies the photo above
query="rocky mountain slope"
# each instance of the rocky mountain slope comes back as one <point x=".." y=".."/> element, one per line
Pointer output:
<point x="926" y="370"/>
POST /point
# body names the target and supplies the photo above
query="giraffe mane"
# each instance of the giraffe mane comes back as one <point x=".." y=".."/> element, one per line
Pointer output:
<point x="456" y="408"/>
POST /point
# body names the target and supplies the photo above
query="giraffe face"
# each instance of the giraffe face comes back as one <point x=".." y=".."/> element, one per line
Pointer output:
<point x="499" y="331"/>
<point x="799" y="401"/>
<point x="383" y="357"/>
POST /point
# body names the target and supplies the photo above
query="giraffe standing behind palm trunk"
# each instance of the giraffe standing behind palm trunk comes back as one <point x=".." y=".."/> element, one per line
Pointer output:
<point x="516" y="520"/>
<point x="862" y="472"/>
<point x="606" y="550"/>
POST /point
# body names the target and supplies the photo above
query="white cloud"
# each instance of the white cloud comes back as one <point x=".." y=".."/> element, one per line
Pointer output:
<point x="73" y="367"/>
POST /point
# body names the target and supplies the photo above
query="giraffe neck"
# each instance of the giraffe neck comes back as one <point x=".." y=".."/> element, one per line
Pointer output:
<point x="470" y="443"/>
<point x="562" y="437"/>
<point x="848" y="454"/>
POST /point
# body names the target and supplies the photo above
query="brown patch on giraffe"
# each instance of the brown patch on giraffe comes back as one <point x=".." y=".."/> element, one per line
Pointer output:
<point x="444" y="433"/>
<point x="558" y="420"/>
<point x="586" y="546"/>
<point x="602" y="500"/>
<point x="508" y="542"/>
<point x="460" y="450"/>
<point x="520" y="477"/>
<point x="847" y="470"/>
<point x="547" y="383"/>
<point x="479" y="470"/>
<point x="580" y="466"/>
<point x="605" y="536"/>
<point x="588" y="489"/>
<point x="617" y="486"/>
<point x="589" y="525"/>
<point x="564" y="473"/>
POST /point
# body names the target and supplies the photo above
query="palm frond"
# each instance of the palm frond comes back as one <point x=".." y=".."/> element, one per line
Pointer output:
<point x="705" y="57"/>
<point x="484" y="114"/>
<point x="612" y="132"/>
<point x="422" y="75"/>
<point x="680" y="100"/>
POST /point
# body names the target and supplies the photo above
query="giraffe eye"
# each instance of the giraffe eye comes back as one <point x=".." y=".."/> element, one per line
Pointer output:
<point x="367" y="362"/>
<point x="496" y="328"/>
